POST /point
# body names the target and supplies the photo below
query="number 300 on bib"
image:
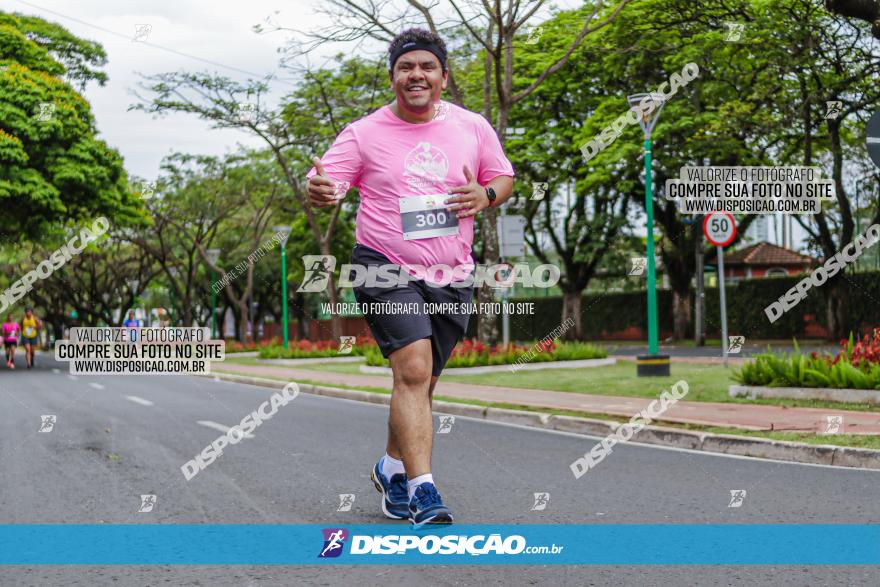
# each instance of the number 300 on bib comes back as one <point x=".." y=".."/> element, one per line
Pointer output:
<point x="427" y="217"/>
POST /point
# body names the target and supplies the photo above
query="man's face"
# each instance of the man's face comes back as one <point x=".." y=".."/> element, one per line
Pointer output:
<point x="418" y="80"/>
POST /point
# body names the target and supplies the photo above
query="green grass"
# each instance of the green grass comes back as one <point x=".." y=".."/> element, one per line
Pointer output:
<point x="850" y="440"/>
<point x="263" y="362"/>
<point x="706" y="383"/>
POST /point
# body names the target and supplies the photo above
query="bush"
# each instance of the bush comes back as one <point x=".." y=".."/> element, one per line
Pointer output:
<point x="614" y="312"/>
<point x="470" y="353"/>
<point x="856" y="366"/>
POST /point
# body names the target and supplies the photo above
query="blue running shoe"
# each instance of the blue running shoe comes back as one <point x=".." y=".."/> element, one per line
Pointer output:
<point x="395" y="496"/>
<point x="426" y="507"/>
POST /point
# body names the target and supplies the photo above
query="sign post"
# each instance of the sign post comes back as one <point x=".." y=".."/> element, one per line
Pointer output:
<point x="873" y="138"/>
<point x="720" y="230"/>
<point x="511" y="230"/>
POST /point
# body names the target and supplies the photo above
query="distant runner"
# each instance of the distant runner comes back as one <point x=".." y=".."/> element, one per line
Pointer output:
<point x="424" y="168"/>
<point x="131" y="322"/>
<point x="30" y="324"/>
<point x="11" y="330"/>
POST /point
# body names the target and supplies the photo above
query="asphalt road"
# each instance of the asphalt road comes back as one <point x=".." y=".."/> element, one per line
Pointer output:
<point x="117" y="437"/>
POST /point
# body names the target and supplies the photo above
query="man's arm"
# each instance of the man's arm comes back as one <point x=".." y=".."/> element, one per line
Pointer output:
<point x="503" y="186"/>
<point x="341" y="163"/>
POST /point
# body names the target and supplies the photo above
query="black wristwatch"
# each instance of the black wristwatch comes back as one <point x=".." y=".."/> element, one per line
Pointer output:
<point x="490" y="193"/>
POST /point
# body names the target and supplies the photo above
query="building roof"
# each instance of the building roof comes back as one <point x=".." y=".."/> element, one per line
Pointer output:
<point x="764" y="253"/>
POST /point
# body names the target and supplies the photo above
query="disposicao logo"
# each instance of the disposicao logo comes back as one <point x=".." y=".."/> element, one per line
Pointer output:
<point x="334" y="540"/>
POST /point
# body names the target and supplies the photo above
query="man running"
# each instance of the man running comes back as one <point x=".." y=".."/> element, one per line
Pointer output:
<point x="30" y="324"/>
<point x="423" y="168"/>
<point x="11" y="330"/>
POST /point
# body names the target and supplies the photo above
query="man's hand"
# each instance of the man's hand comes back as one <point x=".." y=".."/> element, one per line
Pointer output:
<point x="471" y="197"/>
<point x="322" y="190"/>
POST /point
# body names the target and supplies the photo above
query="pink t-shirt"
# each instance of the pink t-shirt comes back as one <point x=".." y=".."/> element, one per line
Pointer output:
<point x="9" y="330"/>
<point x="387" y="158"/>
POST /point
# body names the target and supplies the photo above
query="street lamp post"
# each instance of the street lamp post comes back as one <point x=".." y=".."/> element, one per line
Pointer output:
<point x="652" y="363"/>
<point x="284" y="233"/>
<point x="213" y="256"/>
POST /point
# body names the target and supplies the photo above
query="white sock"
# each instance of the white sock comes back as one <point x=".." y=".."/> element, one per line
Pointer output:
<point x="391" y="466"/>
<point x="413" y="483"/>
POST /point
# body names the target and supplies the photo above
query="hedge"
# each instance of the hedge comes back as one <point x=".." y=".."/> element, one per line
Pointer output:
<point x="746" y="300"/>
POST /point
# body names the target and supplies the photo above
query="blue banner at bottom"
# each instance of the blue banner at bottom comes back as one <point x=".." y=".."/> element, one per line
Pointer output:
<point x="601" y="544"/>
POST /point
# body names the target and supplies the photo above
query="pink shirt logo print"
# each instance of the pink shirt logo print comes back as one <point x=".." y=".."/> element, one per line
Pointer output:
<point x="425" y="169"/>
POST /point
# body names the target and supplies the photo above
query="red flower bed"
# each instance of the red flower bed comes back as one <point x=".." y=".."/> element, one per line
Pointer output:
<point x="301" y="349"/>
<point x="472" y="346"/>
<point x="862" y="353"/>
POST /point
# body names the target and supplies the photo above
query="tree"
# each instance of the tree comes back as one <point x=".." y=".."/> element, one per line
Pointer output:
<point x="715" y="119"/>
<point x="52" y="165"/>
<point x="208" y="202"/>
<point x="830" y="61"/>
<point x="758" y="102"/>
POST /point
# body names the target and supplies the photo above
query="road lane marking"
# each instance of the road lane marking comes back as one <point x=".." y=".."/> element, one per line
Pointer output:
<point x="220" y="427"/>
<point x="96" y="385"/>
<point x="139" y="400"/>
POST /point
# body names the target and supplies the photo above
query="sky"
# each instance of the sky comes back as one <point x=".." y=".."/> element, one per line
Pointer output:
<point x="219" y="32"/>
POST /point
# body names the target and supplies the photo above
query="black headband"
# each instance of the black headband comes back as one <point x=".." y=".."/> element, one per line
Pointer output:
<point x="416" y="46"/>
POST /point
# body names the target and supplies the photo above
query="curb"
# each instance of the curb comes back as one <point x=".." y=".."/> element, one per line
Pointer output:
<point x="868" y="396"/>
<point x="797" y="452"/>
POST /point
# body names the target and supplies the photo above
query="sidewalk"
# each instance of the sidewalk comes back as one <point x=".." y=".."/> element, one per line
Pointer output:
<point x="748" y="417"/>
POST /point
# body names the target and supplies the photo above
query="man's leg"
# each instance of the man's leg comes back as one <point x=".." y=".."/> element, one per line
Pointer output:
<point x="410" y="425"/>
<point x="391" y="447"/>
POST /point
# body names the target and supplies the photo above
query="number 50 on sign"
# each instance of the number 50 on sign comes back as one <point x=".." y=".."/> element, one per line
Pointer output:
<point x="719" y="228"/>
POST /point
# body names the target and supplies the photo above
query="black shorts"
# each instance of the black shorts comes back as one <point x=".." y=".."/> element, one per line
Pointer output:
<point x="395" y="330"/>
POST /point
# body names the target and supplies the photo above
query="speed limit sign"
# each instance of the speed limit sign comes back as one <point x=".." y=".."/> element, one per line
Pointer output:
<point x="719" y="228"/>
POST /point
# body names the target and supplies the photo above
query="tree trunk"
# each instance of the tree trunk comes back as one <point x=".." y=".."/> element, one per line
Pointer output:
<point x="298" y="314"/>
<point x="837" y="300"/>
<point x="487" y="323"/>
<point x="682" y="304"/>
<point x="332" y="295"/>
<point x="221" y="323"/>
<point x="243" y="321"/>
<point x="571" y="307"/>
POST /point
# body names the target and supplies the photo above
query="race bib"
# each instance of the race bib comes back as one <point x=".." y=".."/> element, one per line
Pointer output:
<point x="427" y="217"/>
